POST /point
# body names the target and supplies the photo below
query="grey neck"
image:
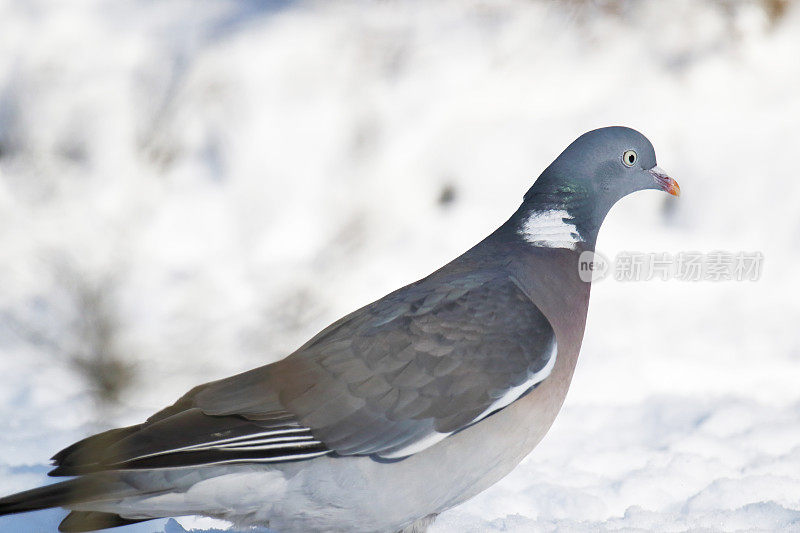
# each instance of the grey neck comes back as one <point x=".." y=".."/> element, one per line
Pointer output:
<point x="550" y="198"/>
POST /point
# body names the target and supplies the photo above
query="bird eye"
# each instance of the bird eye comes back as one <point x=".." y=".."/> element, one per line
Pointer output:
<point x="629" y="158"/>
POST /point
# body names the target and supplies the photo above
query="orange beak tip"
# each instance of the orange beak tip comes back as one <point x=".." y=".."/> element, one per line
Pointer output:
<point x="674" y="188"/>
<point x="665" y="183"/>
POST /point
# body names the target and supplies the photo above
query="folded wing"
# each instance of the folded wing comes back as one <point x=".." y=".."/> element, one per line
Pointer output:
<point x="388" y="380"/>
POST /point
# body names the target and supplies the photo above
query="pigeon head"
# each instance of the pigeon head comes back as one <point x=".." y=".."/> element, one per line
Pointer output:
<point x="569" y="201"/>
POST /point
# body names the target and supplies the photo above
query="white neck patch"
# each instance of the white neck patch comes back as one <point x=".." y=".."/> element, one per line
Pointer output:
<point x="549" y="229"/>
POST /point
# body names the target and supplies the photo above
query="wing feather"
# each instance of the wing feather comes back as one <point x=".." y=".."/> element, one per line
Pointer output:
<point x="388" y="380"/>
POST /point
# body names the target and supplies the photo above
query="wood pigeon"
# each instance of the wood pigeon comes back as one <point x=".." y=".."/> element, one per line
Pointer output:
<point x="393" y="413"/>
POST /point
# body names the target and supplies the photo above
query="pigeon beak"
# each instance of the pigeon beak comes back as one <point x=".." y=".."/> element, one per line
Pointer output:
<point x="664" y="182"/>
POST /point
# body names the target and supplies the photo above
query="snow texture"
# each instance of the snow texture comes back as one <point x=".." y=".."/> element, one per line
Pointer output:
<point x="193" y="188"/>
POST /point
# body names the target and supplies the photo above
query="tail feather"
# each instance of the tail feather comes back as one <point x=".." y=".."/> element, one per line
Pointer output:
<point x="54" y="495"/>
<point x="67" y="494"/>
<point x="82" y="521"/>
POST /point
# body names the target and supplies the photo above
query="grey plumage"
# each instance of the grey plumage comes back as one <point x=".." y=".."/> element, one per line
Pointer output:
<point x="394" y="392"/>
<point x="417" y="362"/>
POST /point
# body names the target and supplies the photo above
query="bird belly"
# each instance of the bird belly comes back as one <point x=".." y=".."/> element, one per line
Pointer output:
<point x="361" y="494"/>
<point x="356" y="493"/>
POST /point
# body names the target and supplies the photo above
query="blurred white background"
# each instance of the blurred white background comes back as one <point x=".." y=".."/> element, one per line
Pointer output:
<point x="191" y="189"/>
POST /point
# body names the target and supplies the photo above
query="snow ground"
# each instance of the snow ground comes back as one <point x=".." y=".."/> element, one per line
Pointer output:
<point x="190" y="189"/>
